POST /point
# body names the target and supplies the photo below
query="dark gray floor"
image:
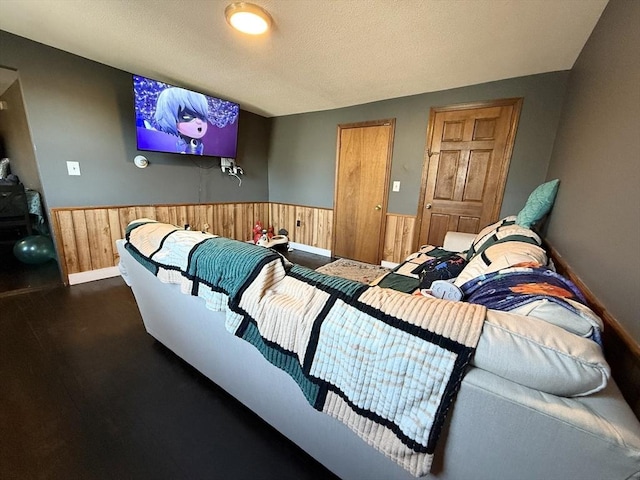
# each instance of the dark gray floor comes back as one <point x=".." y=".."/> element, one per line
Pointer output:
<point x="87" y="394"/>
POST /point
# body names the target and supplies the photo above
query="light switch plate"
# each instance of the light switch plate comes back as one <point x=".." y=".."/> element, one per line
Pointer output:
<point x="73" y="168"/>
<point x="396" y="186"/>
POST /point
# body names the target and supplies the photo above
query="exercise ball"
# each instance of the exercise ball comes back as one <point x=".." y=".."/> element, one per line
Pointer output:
<point x="34" y="249"/>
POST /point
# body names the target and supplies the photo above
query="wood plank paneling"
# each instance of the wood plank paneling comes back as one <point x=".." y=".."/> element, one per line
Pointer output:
<point x="85" y="237"/>
<point x="127" y="214"/>
<point x="115" y="231"/>
<point x="304" y="215"/>
<point x="307" y="225"/>
<point x="322" y="233"/>
<point x="284" y="216"/>
<point x="66" y="242"/>
<point x="146" y="212"/>
<point x="83" y="250"/>
<point x="100" y="241"/>
<point x="398" y="240"/>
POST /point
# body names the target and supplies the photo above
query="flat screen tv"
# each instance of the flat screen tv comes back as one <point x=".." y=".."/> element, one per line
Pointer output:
<point x="176" y="120"/>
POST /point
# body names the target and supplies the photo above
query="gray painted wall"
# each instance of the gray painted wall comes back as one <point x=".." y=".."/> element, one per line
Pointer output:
<point x="595" y="223"/>
<point x="79" y="110"/>
<point x="302" y="156"/>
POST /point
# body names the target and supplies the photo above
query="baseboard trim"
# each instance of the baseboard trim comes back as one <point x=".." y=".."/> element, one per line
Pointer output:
<point x="310" y="249"/>
<point x="92" y="275"/>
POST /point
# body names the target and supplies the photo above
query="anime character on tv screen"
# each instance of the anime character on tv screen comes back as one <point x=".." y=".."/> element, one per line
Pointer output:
<point x="183" y="113"/>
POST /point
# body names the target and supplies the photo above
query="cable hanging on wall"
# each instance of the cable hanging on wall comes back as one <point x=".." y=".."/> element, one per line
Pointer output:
<point x="229" y="166"/>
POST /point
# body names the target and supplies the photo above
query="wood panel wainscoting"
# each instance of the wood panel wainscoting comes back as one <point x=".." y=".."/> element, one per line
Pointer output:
<point x="85" y="236"/>
<point x="311" y="226"/>
<point x="398" y="238"/>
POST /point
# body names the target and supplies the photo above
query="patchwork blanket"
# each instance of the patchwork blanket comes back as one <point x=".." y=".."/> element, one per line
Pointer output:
<point x="385" y="363"/>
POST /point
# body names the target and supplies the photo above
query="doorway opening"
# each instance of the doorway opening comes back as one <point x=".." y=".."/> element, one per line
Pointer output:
<point x="35" y="267"/>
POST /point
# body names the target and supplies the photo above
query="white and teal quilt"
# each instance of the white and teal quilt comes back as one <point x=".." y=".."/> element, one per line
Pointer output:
<point x="385" y="363"/>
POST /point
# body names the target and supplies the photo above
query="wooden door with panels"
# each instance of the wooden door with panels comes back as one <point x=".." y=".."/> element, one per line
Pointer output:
<point x="362" y="185"/>
<point x="465" y="167"/>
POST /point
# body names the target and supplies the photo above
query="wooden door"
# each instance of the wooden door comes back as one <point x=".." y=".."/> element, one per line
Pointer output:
<point x="362" y="183"/>
<point x="465" y="168"/>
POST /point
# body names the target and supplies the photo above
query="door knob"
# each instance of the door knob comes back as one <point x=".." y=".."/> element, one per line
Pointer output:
<point x="378" y="207"/>
<point x="428" y="206"/>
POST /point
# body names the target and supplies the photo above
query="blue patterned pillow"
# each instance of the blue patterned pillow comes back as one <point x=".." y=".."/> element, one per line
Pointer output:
<point x="538" y="204"/>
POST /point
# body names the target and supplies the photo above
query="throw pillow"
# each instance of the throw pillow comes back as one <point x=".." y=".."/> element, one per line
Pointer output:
<point x="538" y="204"/>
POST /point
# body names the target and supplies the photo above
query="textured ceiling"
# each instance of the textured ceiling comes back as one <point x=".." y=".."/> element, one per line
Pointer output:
<point x="322" y="54"/>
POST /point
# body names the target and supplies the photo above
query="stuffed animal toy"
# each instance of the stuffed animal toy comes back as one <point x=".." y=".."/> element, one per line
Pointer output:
<point x="257" y="231"/>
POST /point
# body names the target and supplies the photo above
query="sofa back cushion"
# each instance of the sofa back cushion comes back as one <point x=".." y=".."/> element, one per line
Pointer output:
<point x="540" y="355"/>
<point x="579" y="320"/>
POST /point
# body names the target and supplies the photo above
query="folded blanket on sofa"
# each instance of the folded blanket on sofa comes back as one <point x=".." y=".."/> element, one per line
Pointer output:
<point x="511" y="288"/>
<point x="386" y="364"/>
<point x="421" y="268"/>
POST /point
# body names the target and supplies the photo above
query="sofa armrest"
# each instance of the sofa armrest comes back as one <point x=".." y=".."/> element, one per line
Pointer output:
<point x="458" y="241"/>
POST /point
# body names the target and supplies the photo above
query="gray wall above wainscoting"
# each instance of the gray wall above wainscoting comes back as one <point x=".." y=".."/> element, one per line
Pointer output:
<point x="80" y="110"/>
<point x="302" y="155"/>
<point x="595" y="224"/>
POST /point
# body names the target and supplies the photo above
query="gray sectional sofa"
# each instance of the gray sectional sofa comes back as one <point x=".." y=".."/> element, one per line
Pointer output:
<point x="537" y="400"/>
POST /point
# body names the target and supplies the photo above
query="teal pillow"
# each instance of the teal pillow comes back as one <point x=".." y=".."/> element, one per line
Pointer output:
<point x="538" y="204"/>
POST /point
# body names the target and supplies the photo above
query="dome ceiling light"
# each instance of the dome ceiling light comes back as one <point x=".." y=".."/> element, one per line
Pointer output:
<point x="248" y="18"/>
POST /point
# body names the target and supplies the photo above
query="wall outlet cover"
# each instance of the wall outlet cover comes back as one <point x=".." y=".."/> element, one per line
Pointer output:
<point x="73" y="168"/>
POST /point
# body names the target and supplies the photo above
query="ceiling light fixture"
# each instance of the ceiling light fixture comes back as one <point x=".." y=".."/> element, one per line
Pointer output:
<point x="248" y="18"/>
